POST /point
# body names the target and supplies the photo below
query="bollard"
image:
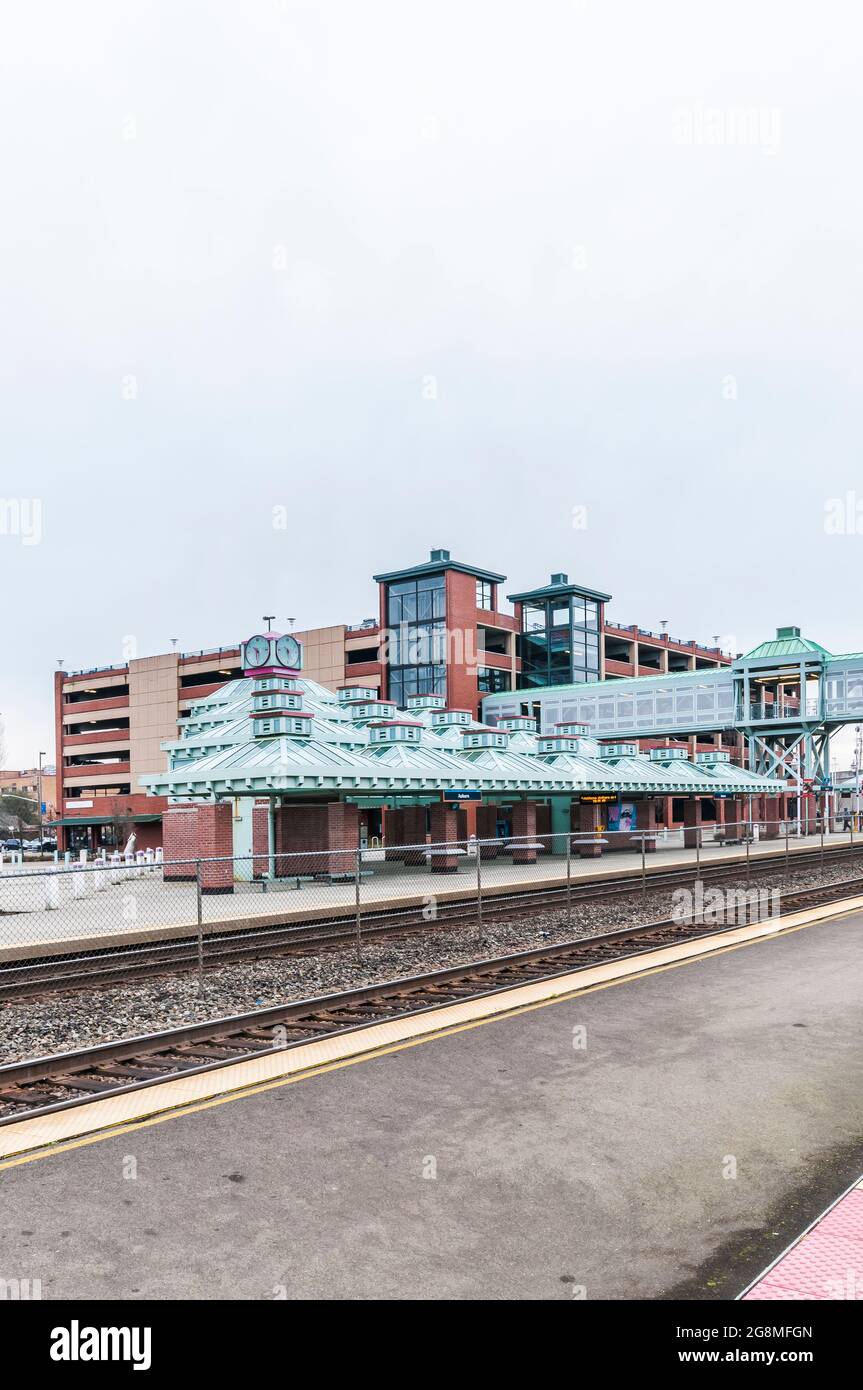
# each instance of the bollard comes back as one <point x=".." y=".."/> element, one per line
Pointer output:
<point x="100" y="880"/>
<point x="52" y="892"/>
<point x="79" y="883"/>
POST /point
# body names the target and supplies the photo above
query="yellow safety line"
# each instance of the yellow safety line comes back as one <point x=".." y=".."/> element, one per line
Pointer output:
<point x="384" y="1051"/>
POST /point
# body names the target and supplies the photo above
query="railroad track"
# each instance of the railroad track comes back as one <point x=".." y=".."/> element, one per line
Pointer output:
<point x="103" y="968"/>
<point x="49" y="1084"/>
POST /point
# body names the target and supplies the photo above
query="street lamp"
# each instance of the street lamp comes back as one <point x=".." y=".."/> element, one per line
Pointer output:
<point x="41" y="836"/>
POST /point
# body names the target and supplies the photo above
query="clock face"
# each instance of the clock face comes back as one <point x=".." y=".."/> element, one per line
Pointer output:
<point x="257" y="651"/>
<point x="288" y="653"/>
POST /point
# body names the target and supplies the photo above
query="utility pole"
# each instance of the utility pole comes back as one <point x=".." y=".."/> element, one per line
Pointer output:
<point x="39" y="793"/>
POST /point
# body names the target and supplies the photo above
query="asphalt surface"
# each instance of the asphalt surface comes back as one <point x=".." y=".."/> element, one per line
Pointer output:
<point x="714" y="1110"/>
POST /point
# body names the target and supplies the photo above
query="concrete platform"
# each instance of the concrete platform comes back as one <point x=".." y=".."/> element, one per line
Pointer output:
<point x="632" y="1142"/>
<point x="147" y="909"/>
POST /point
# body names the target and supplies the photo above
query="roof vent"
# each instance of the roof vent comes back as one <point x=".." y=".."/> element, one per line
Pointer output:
<point x="348" y="693"/>
<point x="712" y="757"/>
<point x="560" y="578"/>
<point x="484" y="738"/>
<point x="557" y="743"/>
<point x="787" y="632"/>
<point x="373" y="709"/>
<point x="449" y="717"/>
<point x="426" y="702"/>
<point x="607" y="751"/>
<point x="517" y="723"/>
<point x="439" y="556"/>
<point x="281" y="725"/>
<point x="570" y="727"/>
<point x="396" y="731"/>
<point x="668" y="755"/>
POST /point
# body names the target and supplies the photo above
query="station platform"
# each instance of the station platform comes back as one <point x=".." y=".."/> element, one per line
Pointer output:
<point x="144" y="909"/>
<point x="825" y="1262"/>
<point x="660" y="1135"/>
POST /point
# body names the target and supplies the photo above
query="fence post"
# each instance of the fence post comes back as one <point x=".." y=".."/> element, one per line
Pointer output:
<point x="200" y="903"/>
<point x="786" y="851"/>
<point x="569" y="878"/>
<point x="643" y="868"/>
<point x="822" y="835"/>
<point x="746" y="837"/>
<point x="357" y="900"/>
<point x="478" y="890"/>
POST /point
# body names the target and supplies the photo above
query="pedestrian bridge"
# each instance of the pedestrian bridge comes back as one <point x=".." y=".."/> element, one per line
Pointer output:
<point x="779" y="687"/>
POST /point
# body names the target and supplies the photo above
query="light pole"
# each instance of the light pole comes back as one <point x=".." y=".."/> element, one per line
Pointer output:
<point x="41" y="756"/>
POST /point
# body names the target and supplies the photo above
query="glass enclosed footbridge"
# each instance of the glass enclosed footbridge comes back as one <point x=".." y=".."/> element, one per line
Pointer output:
<point x="786" y="697"/>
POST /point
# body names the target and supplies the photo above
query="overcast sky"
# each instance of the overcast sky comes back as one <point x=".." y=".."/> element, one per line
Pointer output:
<point x="566" y="286"/>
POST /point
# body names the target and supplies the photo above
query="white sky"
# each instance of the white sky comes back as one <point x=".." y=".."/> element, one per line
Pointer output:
<point x="283" y="219"/>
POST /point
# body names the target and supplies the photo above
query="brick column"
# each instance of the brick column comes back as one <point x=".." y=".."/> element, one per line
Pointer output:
<point x="524" y="826"/>
<point x="692" y="822"/>
<point x="444" y="830"/>
<point x="735" y="815"/>
<point x="588" y="822"/>
<point x="216" y="844"/>
<point x="486" y="829"/>
<point x="772" y="816"/>
<point x="317" y="839"/>
<point x="646" y="823"/>
<point x="394" y="832"/>
<point x="179" y="841"/>
<point x="414" y="833"/>
<point x="260" y="838"/>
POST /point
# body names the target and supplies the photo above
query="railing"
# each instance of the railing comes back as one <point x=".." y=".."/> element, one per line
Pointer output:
<point x="759" y="711"/>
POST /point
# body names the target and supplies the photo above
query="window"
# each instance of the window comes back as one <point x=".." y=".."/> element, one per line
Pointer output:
<point x="416" y="609"/>
<point x="485" y="595"/>
<point x="559" y="642"/>
<point x="490" y="681"/>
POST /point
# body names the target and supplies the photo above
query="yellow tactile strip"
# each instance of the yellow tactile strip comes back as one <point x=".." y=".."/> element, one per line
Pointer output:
<point x="110" y="1113"/>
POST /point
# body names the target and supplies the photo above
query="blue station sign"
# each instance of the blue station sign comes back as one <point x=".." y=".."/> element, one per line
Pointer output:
<point x="463" y="794"/>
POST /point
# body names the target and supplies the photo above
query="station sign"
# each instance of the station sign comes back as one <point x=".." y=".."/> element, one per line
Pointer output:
<point x="597" y="798"/>
<point x="463" y="794"/>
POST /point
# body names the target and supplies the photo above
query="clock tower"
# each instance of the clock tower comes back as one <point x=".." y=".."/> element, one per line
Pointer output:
<point x="273" y="661"/>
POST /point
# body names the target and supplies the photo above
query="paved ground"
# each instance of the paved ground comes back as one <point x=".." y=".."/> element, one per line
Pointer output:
<point x="141" y="902"/>
<point x="608" y="1169"/>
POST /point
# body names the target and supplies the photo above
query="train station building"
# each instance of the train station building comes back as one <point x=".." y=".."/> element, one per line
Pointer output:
<point x="439" y="628"/>
<point x="276" y="765"/>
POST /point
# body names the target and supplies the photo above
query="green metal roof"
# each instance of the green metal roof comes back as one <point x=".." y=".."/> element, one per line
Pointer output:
<point x="440" y="561"/>
<point x="559" y="587"/>
<point x="788" y="642"/>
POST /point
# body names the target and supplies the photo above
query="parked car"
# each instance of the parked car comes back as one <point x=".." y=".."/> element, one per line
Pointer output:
<point x="12" y="844"/>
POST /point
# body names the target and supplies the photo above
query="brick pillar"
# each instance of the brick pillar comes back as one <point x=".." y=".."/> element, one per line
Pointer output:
<point x="179" y="842"/>
<point x="216" y="844"/>
<point x="343" y="836"/>
<point x="414" y="833"/>
<point x="589" y="821"/>
<point x="772" y="816"/>
<point x="464" y="828"/>
<point x="394" y="832"/>
<point x="735" y="815"/>
<point x="260" y="838"/>
<point x="444" y="830"/>
<point x="486" y="829"/>
<point x="692" y="822"/>
<point x="317" y="840"/>
<point x="524" y="826"/>
<point x="646" y="823"/>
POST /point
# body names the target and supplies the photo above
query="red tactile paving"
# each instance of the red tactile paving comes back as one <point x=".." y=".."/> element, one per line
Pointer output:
<point x="826" y="1262"/>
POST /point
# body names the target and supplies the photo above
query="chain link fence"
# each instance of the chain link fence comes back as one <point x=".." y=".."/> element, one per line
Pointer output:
<point x="180" y="910"/>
